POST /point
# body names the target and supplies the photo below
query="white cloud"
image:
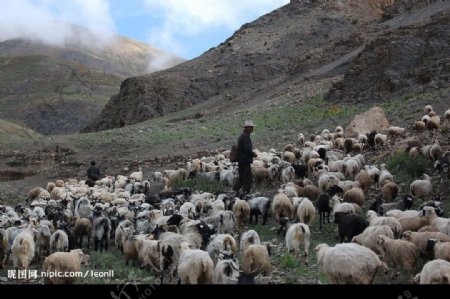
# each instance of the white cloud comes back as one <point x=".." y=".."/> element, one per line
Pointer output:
<point x="189" y="18"/>
<point x="48" y="20"/>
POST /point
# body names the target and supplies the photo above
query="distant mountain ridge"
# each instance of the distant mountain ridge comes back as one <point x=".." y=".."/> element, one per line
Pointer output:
<point x="303" y="40"/>
<point x="59" y="90"/>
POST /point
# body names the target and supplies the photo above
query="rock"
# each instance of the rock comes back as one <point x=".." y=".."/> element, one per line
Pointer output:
<point x="373" y="119"/>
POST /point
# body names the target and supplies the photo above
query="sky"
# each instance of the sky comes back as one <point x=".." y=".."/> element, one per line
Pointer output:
<point x="183" y="27"/>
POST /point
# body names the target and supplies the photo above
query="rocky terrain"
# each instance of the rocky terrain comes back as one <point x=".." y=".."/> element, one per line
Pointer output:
<point x="302" y="41"/>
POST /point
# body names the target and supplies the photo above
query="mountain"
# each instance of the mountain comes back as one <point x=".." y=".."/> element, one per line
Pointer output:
<point x="59" y="90"/>
<point x="301" y="41"/>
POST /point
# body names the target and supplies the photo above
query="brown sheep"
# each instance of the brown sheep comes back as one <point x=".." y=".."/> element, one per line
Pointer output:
<point x="256" y="260"/>
<point x="282" y="206"/>
<point x="83" y="227"/>
<point x="355" y="195"/>
<point x="241" y="210"/>
<point x="399" y="252"/>
<point x="62" y="262"/>
<point x="421" y="239"/>
<point x="389" y="190"/>
<point x="365" y="181"/>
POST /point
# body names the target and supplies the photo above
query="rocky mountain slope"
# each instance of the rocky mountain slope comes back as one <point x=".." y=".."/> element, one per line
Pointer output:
<point x="59" y="90"/>
<point x="302" y="41"/>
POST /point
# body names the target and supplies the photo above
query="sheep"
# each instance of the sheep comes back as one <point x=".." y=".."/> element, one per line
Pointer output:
<point x="256" y="260"/>
<point x="306" y="212"/>
<point x="148" y="252"/>
<point x="384" y="175"/>
<point x="440" y="249"/>
<point x="83" y="208"/>
<point x="389" y="190"/>
<point x="435" y="151"/>
<point x="301" y="139"/>
<point x="368" y="238"/>
<point x="427" y="109"/>
<point x="380" y="139"/>
<point x="433" y="123"/>
<point x="345" y="207"/>
<point x="282" y="206"/>
<point x="221" y="243"/>
<point x="227" y="178"/>
<point x="399" y="252"/>
<point x="364" y="179"/>
<point x="259" y="206"/>
<point x="100" y="232"/>
<point x="82" y="227"/>
<point x="23" y="249"/>
<point x="447" y="115"/>
<point x="62" y="262"/>
<point x="241" y="210"/>
<point x="355" y="195"/>
<point x="421" y="239"/>
<point x="119" y="235"/>
<point x="405" y="203"/>
<point x="442" y="224"/>
<point x="348" y="145"/>
<point x="419" y="125"/>
<point x="59" y="241"/>
<point x="188" y="210"/>
<point x="296" y="235"/>
<point x="225" y="272"/>
<point x="194" y="266"/>
<point x="348" y="263"/>
<point x="43" y="235"/>
<point x="349" y="225"/>
<point x="390" y="221"/>
<point x="129" y="247"/>
<point x="287" y="174"/>
<point x="434" y="272"/>
<point x="413" y="223"/>
<point x="249" y="238"/>
<point x="413" y="152"/>
<point x="136" y="176"/>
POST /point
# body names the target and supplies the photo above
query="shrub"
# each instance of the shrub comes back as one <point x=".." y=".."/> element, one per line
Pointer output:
<point x="406" y="169"/>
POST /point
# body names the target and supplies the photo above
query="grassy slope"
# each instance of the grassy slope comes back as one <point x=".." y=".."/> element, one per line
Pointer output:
<point x="32" y="80"/>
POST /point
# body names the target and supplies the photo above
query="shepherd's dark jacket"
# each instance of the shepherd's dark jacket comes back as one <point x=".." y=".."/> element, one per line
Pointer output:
<point x="93" y="172"/>
<point x="245" y="149"/>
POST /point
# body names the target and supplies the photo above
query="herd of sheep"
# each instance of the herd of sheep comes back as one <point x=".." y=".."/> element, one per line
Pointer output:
<point x="192" y="237"/>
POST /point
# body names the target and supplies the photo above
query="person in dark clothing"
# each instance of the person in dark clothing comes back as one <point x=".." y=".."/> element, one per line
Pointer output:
<point x="93" y="172"/>
<point x="245" y="157"/>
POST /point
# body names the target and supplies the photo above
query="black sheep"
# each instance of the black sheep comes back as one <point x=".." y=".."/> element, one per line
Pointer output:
<point x="324" y="208"/>
<point x="349" y="225"/>
<point x="300" y="170"/>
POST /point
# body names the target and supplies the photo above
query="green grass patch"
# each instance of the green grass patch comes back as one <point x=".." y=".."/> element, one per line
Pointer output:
<point x="288" y="261"/>
<point x="407" y="169"/>
<point x="105" y="261"/>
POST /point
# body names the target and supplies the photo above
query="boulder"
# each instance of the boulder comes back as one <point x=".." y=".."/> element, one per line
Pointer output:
<point x="373" y="119"/>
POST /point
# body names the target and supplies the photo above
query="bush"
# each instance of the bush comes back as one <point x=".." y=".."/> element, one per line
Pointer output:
<point x="407" y="169"/>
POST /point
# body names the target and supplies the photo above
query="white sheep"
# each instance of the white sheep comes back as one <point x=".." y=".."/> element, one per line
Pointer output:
<point x="62" y="262"/>
<point x="59" y="241"/>
<point x="368" y="237"/>
<point x="296" y="235"/>
<point x="249" y="238"/>
<point x="349" y="263"/>
<point x="23" y="249"/>
<point x="195" y="266"/>
<point x="137" y="176"/>
<point x="384" y="175"/>
<point x="440" y="249"/>
<point x="434" y="272"/>
<point x="225" y="272"/>
<point x="380" y="139"/>
<point x="188" y="210"/>
<point x="306" y="212"/>
<point x="392" y="222"/>
<point x="442" y="224"/>
<point x="435" y="151"/>
<point x="221" y="243"/>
